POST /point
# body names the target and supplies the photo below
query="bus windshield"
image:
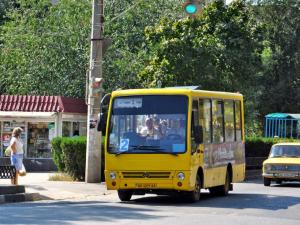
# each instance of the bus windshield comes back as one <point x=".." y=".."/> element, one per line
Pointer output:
<point x="148" y="124"/>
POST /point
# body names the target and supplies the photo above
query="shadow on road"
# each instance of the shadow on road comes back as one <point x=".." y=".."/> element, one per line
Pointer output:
<point x="292" y="184"/>
<point x="232" y="201"/>
<point x="139" y="209"/>
<point x="288" y="184"/>
<point x="254" y="181"/>
<point x="64" y="212"/>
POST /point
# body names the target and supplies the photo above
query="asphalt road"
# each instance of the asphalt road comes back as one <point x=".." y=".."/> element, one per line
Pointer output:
<point x="250" y="203"/>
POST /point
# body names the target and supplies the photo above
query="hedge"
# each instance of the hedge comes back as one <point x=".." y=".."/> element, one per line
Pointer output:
<point x="69" y="155"/>
<point x="74" y="152"/>
<point x="57" y="155"/>
<point x="260" y="146"/>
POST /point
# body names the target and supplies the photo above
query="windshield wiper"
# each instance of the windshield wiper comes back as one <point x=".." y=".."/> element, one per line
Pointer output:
<point x="140" y="147"/>
<point x="119" y="153"/>
<point x="146" y="148"/>
<point x="160" y="151"/>
<point x="151" y="148"/>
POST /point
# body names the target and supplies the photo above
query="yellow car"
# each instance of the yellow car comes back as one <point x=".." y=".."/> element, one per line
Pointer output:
<point x="283" y="164"/>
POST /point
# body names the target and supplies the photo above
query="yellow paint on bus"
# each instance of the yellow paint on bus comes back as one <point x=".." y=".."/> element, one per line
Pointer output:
<point x="170" y="162"/>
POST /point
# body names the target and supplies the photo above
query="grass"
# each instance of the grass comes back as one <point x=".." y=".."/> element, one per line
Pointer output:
<point x="60" y="177"/>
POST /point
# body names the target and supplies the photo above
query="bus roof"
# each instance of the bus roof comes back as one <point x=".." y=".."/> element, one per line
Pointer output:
<point x="177" y="91"/>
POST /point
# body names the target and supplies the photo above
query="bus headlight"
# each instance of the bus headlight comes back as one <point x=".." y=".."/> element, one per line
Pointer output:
<point x="112" y="175"/>
<point x="180" y="176"/>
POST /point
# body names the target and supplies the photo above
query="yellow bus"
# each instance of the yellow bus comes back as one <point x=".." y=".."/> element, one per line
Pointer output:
<point x="173" y="141"/>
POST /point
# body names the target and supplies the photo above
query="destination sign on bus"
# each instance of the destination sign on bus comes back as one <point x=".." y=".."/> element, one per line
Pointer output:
<point x="128" y="103"/>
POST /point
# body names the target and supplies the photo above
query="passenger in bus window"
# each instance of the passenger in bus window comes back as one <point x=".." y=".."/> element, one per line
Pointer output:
<point x="182" y="129"/>
<point x="149" y="130"/>
<point x="163" y="127"/>
<point x="171" y="128"/>
<point x="158" y="126"/>
<point x="177" y="127"/>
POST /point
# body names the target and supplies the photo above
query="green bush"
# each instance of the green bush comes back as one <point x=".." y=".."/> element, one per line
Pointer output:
<point x="260" y="146"/>
<point x="57" y="154"/>
<point x="74" y="152"/>
<point x="69" y="155"/>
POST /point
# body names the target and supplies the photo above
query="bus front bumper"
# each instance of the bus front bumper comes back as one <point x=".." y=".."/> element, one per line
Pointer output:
<point x="170" y="183"/>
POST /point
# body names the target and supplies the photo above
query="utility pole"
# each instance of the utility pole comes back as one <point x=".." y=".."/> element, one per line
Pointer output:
<point x="93" y="151"/>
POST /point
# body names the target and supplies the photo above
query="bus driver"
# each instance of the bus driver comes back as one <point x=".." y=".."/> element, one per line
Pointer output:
<point x="150" y="130"/>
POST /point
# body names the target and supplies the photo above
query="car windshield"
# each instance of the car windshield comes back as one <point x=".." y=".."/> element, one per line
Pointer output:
<point x="148" y="124"/>
<point x="285" y="151"/>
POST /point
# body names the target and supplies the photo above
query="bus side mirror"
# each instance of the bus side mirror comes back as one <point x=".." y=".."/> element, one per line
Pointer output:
<point x="198" y="134"/>
<point x="101" y="122"/>
<point x="105" y="102"/>
<point x="102" y="117"/>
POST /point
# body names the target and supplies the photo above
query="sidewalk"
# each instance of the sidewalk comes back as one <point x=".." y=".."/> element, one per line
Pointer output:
<point x="38" y="187"/>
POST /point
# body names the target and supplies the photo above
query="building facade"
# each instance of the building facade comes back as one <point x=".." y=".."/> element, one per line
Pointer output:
<point x="42" y="118"/>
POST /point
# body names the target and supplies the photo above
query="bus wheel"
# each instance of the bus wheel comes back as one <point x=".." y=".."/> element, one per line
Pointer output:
<point x="222" y="190"/>
<point x="125" y="195"/>
<point x="278" y="181"/>
<point x="226" y="187"/>
<point x="194" y="196"/>
<point x="267" y="181"/>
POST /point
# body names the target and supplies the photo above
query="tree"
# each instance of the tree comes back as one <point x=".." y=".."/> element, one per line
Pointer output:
<point x="5" y="6"/>
<point x="126" y="21"/>
<point x="45" y="48"/>
<point x="49" y="44"/>
<point x="281" y="56"/>
<point x="220" y="50"/>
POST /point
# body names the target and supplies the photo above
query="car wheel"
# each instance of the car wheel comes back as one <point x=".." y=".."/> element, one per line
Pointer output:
<point x="278" y="181"/>
<point x="267" y="181"/>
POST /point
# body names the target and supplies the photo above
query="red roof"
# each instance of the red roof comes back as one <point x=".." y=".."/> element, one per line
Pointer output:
<point x="25" y="103"/>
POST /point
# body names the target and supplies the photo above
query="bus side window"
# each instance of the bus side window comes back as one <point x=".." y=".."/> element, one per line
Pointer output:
<point x="238" y="121"/>
<point x="229" y="120"/>
<point x="218" y="121"/>
<point x="205" y="119"/>
<point x="195" y="115"/>
<point x="195" y="122"/>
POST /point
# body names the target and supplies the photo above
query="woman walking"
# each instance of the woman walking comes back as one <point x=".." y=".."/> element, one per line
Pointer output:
<point x="17" y="152"/>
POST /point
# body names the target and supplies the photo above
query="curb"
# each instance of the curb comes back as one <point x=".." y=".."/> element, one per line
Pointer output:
<point x="9" y="198"/>
<point x="16" y="193"/>
<point x="20" y="197"/>
<point x="11" y="189"/>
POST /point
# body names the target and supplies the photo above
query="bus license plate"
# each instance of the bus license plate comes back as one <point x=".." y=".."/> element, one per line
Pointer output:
<point x="139" y="185"/>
